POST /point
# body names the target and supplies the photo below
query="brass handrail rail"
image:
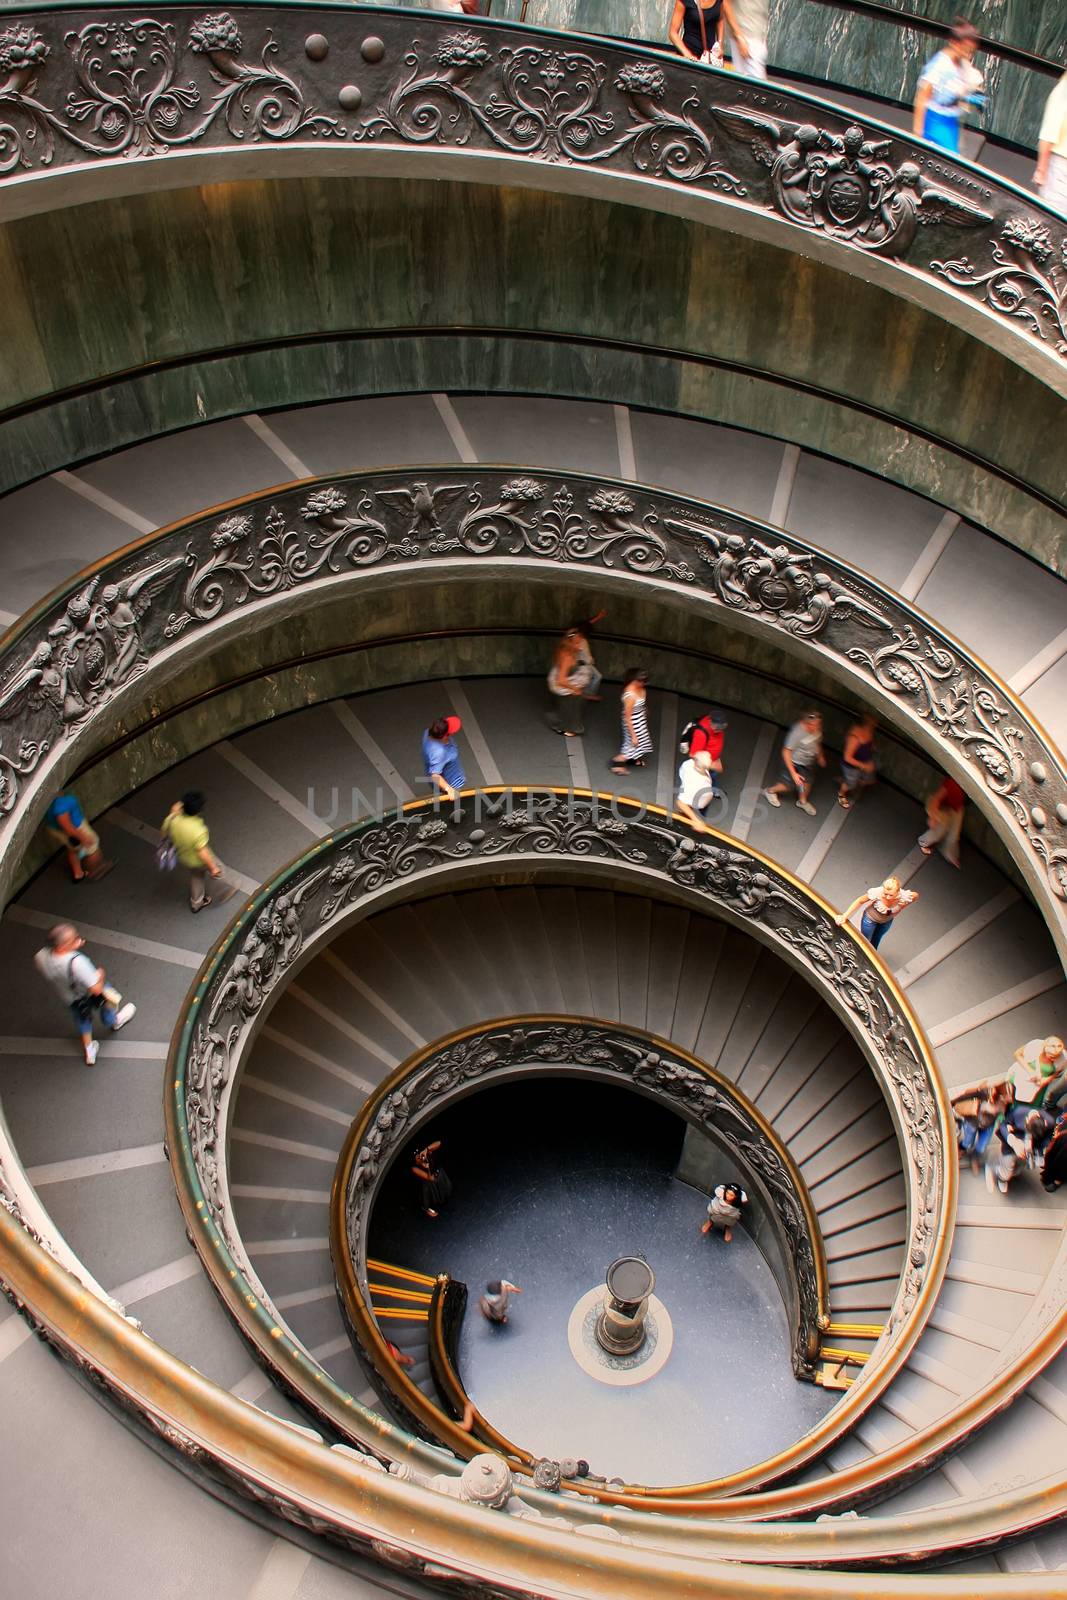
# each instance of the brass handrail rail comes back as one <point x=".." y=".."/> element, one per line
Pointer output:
<point x="922" y="22"/>
<point x="512" y="1040"/>
<point x="450" y="1385"/>
<point x="294" y="1477"/>
<point x="324" y="888"/>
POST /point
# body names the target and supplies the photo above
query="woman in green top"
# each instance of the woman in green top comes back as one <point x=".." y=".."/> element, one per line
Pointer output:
<point x="187" y="831"/>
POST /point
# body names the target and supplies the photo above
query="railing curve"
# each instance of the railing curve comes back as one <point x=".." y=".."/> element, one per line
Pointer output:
<point x="104" y="637"/>
<point x="263" y="88"/>
<point x="430" y="1080"/>
<point x="357" y="870"/>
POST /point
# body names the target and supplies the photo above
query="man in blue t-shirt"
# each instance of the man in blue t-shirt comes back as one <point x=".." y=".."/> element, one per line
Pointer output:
<point x="67" y="825"/>
<point x="443" y="766"/>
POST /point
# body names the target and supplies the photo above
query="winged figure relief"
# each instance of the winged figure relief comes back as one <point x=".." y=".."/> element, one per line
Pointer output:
<point x="118" y="620"/>
<point x="95" y="646"/>
<point x="40" y="684"/>
<point x="831" y="601"/>
<point x="844" y="184"/>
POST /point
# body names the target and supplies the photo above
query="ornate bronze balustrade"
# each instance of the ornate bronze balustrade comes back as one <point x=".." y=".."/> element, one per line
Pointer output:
<point x="123" y="625"/>
<point x="578" y="1047"/>
<point x="523" y="831"/>
<point x="83" y="90"/>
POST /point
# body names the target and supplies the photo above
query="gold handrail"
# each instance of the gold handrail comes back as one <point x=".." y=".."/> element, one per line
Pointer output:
<point x="727" y="1498"/>
<point x="447" y="1378"/>
<point x="362" y="1319"/>
<point x="261" y="1456"/>
<point x="415" y="1295"/>
<point x="400" y="1272"/>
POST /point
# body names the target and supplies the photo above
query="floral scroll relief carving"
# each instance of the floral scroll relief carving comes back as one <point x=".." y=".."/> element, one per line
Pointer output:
<point x="101" y="638"/>
<point x="129" y="100"/>
<point x="95" y="646"/>
<point x="527" y="823"/>
<point x="546" y="102"/>
<point x="131" y="87"/>
<point x="1028" y="280"/>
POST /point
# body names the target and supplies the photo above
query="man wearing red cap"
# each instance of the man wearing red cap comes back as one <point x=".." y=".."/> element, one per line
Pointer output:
<point x="443" y="766"/>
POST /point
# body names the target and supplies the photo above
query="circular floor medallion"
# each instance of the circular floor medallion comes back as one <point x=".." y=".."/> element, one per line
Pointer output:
<point x="620" y="1371"/>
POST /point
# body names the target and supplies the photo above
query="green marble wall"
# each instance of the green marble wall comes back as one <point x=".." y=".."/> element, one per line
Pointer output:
<point x="111" y="287"/>
<point x="885" y="59"/>
<point x="819" y="41"/>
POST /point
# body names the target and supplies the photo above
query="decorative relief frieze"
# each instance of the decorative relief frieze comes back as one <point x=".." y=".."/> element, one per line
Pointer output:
<point x="326" y="887"/>
<point x="76" y="88"/>
<point x="73" y="660"/>
<point x="578" y="1045"/>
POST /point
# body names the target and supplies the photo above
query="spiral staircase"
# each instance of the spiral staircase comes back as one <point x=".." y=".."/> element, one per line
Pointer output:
<point x="958" y="1466"/>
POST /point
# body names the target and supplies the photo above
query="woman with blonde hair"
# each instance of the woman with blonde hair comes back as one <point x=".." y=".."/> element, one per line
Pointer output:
<point x="880" y="906"/>
<point x="573" y="678"/>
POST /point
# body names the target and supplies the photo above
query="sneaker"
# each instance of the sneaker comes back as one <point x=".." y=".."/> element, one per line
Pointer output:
<point x="1002" y="1185"/>
<point x="122" y="1017"/>
<point x="771" y="798"/>
<point x="990" y="1180"/>
<point x="205" y="902"/>
<point x="92" y="1050"/>
<point x="807" y="807"/>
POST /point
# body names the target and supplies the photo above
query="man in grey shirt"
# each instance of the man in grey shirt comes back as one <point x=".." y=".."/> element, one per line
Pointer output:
<point x="801" y="754"/>
<point x="82" y="985"/>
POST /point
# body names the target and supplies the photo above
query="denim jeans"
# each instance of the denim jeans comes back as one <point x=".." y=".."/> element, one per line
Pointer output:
<point x="873" y="932"/>
<point x="85" y="1024"/>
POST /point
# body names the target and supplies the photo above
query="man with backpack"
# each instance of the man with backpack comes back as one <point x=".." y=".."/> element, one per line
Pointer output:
<point x="82" y="985"/>
<point x="706" y="736"/>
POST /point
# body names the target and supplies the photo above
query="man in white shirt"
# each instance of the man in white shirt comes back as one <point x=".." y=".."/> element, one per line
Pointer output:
<point x="82" y="985"/>
<point x="1050" y="174"/>
<point x="494" y="1302"/>
<point x="696" y="789"/>
<point x="751" y="19"/>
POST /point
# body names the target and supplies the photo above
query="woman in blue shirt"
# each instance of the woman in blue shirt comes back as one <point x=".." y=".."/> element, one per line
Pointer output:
<point x="947" y="86"/>
<point x="66" y="824"/>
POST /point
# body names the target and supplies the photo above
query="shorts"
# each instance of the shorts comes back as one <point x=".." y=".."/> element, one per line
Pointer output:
<point x="86" y="846"/>
<point x="806" y="775"/>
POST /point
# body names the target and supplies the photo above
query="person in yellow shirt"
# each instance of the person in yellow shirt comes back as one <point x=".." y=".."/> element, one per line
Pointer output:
<point x="185" y="828"/>
<point x="1050" y="174"/>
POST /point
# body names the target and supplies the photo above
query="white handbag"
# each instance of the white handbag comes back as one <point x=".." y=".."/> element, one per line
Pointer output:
<point x="712" y="57"/>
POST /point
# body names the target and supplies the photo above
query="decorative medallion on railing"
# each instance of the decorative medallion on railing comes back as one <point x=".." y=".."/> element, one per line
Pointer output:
<point x="79" y="87"/>
<point x="88" y="646"/>
<point x="428" y="1083"/>
<point x="344" y="877"/>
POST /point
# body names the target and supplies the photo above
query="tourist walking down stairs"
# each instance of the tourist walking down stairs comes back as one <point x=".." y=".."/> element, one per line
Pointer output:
<point x="82" y="985"/>
<point x="636" y="739"/>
